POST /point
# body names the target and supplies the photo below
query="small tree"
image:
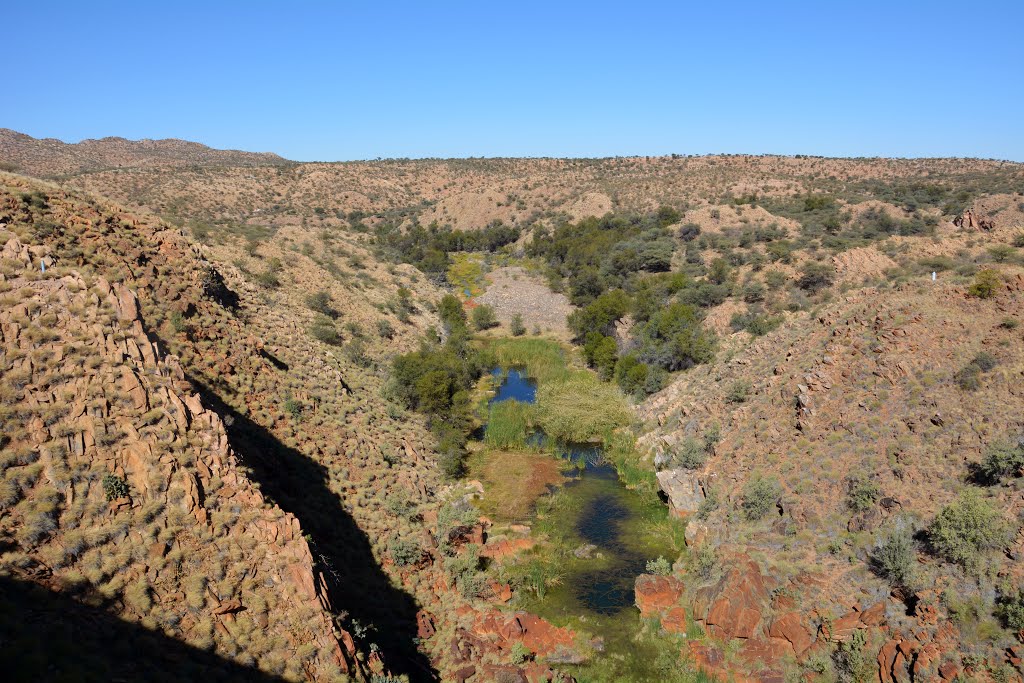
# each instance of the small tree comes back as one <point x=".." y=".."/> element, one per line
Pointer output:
<point x="1001" y="460"/>
<point x="966" y="529"/>
<point x="894" y="555"/>
<point x="114" y="487"/>
<point x="484" y="318"/>
<point x="517" y="327"/>
<point x="321" y="303"/>
<point x="986" y="284"/>
<point x="759" y="495"/>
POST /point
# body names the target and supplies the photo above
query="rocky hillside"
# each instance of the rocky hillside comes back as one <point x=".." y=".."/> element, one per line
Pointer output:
<point x="50" y="158"/>
<point x="865" y="416"/>
<point x="167" y="420"/>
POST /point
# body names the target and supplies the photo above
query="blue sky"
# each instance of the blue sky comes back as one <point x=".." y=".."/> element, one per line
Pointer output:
<point x="358" y="80"/>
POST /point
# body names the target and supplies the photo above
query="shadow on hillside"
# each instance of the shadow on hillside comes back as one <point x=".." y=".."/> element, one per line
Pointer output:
<point x="358" y="585"/>
<point x="49" y="636"/>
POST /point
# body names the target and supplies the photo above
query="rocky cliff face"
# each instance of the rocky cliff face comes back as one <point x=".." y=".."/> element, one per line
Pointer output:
<point x="118" y="479"/>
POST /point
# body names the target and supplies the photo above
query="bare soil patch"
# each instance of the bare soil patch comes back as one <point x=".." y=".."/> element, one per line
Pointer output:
<point x="512" y="290"/>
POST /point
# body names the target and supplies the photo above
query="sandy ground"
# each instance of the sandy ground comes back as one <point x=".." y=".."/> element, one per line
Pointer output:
<point x="512" y="290"/>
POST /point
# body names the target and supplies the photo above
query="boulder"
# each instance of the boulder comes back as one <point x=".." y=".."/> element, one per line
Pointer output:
<point x="683" y="489"/>
<point x="656" y="593"/>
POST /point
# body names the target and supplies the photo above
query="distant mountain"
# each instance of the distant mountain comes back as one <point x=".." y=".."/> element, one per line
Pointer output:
<point x="52" y="157"/>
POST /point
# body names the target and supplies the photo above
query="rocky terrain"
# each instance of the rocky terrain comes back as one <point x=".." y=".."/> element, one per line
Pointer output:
<point x="50" y="157"/>
<point x="198" y="439"/>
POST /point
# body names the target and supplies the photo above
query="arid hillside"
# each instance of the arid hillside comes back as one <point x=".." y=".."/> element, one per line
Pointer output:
<point x="52" y="158"/>
<point x="823" y="356"/>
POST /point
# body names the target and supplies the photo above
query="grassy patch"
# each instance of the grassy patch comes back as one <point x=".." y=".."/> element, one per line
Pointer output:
<point x="545" y="360"/>
<point x="514" y="481"/>
<point x="580" y="408"/>
<point x="466" y="273"/>
<point x="508" y="424"/>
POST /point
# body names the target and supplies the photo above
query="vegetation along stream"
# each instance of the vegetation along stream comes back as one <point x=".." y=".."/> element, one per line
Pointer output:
<point x="597" y="521"/>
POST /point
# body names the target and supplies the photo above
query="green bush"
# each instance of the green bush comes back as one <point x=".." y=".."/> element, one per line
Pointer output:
<point x="861" y="493"/>
<point x="405" y="551"/>
<point x="323" y="329"/>
<point x="690" y="454"/>
<point x="738" y="392"/>
<point x="519" y="654"/>
<point x="966" y="529"/>
<point x="385" y="329"/>
<point x="660" y="566"/>
<point x="986" y="284"/>
<point x="321" y="303"/>
<point x="1001" y="460"/>
<point x="484" y="318"/>
<point x="517" y="327"/>
<point x="114" y="487"/>
<point x="895" y="555"/>
<point x="815" y="276"/>
<point x="1010" y="610"/>
<point x="760" y="494"/>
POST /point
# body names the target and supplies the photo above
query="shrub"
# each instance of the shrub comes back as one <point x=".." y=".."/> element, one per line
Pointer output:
<point x="894" y="555"/>
<point x="966" y="529"/>
<point x="1001" y="460"/>
<point x="385" y="329"/>
<point x="986" y="283"/>
<point x="323" y="329"/>
<point x="405" y="551"/>
<point x="517" y="327"/>
<point x="293" y="408"/>
<point x="321" y="303"/>
<point x="706" y="561"/>
<point x="660" y="566"/>
<point x="690" y="454"/>
<point x="738" y="392"/>
<point x="815" y="276"/>
<point x="114" y="487"/>
<point x="484" y="318"/>
<point x="861" y="493"/>
<point x="520" y="653"/>
<point x="1010" y="610"/>
<point x="760" y="494"/>
<point x="985" y="361"/>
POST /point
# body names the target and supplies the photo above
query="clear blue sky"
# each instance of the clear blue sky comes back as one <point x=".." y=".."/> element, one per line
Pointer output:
<point x="358" y="80"/>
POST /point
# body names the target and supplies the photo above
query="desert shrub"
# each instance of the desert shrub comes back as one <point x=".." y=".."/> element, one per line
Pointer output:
<point x="861" y="493"/>
<point x="815" y="276"/>
<point x="675" y="339"/>
<point x="1010" y="610"/>
<point x="385" y="329"/>
<point x="738" y="392"/>
<point x="894" y="555"/>
<point x="966" y="529"/>
<point x="688" y="232"/>
<point x="519" y="653"/>
<point x="323" y="329"/>
<point x="986" y="284"/>
<point x="631" y="374"/>
<point x="517" y="327"/>
<point x="1009" y="323"/>
<point x="706" y="561"/>
<point x="321" y="303"/>
<point x="1001" y="253"/>
<point x="985" y="361"/>
<point x="854" y="660"/>
<point x="405" y="551"/>
<point x="484" y="318"/>
<point x="1001" y="460"/>
<point x="293" y="408"/>
<point x="660" y="566"/>
<point x="708" y="505"/>
<point x="600" y="315"/>
<point x="114" y="487"/>
<point x="760" y="494"/>
<point x="690" y="454"/>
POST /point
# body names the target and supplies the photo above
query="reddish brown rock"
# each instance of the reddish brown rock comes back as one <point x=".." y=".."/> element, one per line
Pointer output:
<point x="674" y="620"/>
<point x="656" y="593"/>
<point x="790" y="627"/>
